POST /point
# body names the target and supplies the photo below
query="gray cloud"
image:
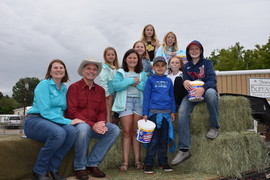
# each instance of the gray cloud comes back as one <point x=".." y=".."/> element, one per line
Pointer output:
<point x="32" y="33"/>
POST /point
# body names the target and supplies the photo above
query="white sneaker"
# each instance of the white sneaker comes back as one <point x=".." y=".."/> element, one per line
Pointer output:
<point x="180" y="157"/>
<point x="212" y="133"/>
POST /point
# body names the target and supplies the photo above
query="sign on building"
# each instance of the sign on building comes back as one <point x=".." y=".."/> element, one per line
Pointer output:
<point x="259" y="87"/>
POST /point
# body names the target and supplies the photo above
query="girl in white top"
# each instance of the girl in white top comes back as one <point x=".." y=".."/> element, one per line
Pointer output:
<point x="176" y="75"/>
<point x="174" y="69"/>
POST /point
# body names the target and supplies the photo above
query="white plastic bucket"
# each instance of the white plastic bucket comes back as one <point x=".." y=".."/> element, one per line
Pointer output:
<point x="191" y="96"/>
<point x="145" y="131"/>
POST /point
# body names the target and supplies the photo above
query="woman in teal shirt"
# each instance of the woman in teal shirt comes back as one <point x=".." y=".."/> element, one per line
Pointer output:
<point x="45" y="122"/>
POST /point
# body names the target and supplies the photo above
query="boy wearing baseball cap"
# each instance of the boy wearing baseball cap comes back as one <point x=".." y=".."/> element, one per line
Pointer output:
<point x="159" y="107"/>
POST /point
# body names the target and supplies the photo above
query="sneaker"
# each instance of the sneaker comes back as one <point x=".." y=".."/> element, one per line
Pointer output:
<point x="180" y="157"/>
<point x="166" y="168"/>
<point x="148" y="169"/>
<point x="212" y="133"/>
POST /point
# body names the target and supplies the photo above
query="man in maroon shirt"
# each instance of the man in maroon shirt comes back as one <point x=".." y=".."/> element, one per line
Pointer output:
<point x="86" y="101"/>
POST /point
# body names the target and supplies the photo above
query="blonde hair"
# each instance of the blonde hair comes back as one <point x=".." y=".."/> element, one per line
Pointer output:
<point x="154" y="39"/>
<point x="115" y="62"/>
<point x="165" y="46"/>
<point x="181" y="64"/>
<point x="145" y="54"/>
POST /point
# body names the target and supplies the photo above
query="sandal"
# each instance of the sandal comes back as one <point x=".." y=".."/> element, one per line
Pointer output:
<point x="139" y="165"/>
<point x="123" y="167"/>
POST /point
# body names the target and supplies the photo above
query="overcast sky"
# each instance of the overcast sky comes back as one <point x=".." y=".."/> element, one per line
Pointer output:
<point x="33" y="32"/>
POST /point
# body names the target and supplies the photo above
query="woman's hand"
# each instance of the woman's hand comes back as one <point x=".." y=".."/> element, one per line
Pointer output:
<point x="76" y="121"/>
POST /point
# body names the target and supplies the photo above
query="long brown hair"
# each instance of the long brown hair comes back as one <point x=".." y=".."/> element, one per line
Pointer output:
<point x="115" y="62"/>
<point x="145" y="54"/>
<point x="138" y="67"/>
<point x="154" y="39"/>
<point x="48" y="75"/>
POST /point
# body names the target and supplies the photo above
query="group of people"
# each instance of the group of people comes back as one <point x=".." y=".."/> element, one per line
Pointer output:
<point x="152" y="84"/>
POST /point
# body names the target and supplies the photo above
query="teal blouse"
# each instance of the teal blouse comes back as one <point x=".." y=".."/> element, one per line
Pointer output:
<point x="50" y="102"/>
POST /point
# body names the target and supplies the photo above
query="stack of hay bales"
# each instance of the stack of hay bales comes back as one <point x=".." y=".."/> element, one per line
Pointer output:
<point x="235" y="151"/>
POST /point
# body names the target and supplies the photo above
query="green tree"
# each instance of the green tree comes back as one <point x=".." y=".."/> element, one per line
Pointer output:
<point x="231" y="59"/>
<point x="261" y="56"/>
<point x="1" y="95"/>
<point x="236" y="58"/>
<point x="20" y="91"/>
<point x="7" y="105"/>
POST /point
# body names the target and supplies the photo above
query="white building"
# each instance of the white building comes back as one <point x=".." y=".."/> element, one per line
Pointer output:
<point x="19" y="111"/>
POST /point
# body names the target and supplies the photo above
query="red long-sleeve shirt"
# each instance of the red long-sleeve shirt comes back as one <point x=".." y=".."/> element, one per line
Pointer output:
<point x="86" y="104"/>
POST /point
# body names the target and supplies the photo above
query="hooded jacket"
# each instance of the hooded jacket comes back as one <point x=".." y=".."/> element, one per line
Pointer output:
<point x="203" y="70"/>
<point x="120" y="85"/>
<point x="106" y="78"/>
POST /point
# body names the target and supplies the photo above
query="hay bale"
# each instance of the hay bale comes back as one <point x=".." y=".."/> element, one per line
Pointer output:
<point x="231" y="154"/>
<point x="16" y="161"/>
<point x="234" y="115"/>
<point x="18" y="156"/>
<point x="114" y="156"/>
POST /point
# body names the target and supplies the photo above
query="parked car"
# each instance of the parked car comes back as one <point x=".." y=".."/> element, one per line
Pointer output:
<point x="12" y="121"/>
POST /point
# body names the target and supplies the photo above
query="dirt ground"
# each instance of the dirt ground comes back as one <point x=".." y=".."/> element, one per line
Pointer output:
<point x="133" y="174"/>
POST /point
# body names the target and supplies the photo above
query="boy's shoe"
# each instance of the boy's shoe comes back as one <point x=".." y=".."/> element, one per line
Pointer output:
<point x="180" y="157"/>
<point x="148" y="169"/>
<point x="166" y="168"/>
<point x="212" y="133"/>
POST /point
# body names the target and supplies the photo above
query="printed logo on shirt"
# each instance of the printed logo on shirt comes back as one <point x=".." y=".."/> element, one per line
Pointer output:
<point x="55" y="92"/>
<point x="161" y="84"/>
<point x="198" y="75"/>
<point x="201" y="72"/>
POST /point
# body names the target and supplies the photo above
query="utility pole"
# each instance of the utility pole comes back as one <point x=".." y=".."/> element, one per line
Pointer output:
<point x="26" y="85"/>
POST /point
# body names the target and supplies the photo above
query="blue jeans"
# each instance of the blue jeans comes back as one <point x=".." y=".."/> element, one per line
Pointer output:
<point x="57" y="138"/>
<point x="211" y="98"/>
<point x="84" y="133"/>
<point x="158" y="143"/>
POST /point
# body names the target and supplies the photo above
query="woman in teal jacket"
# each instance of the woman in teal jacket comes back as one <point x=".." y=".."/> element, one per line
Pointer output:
<point x="129" y="85"/>
<point x="45" y="122"/>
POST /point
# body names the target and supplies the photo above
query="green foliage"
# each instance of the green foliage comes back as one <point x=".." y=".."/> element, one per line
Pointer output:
<point x="7" y="105"/>
<point x="21" y="93"/>
<point x="236" y="58"/>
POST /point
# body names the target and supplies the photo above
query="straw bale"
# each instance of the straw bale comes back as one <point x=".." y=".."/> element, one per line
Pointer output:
<point x="234" y="115"/>
<point x="231" y="154"/>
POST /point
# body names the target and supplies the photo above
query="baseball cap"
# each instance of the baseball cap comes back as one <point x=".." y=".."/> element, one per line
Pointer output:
<point x="159" y="59"/>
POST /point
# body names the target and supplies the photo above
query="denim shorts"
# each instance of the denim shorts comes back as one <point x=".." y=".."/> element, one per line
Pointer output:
<point x="133" y="106"/>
